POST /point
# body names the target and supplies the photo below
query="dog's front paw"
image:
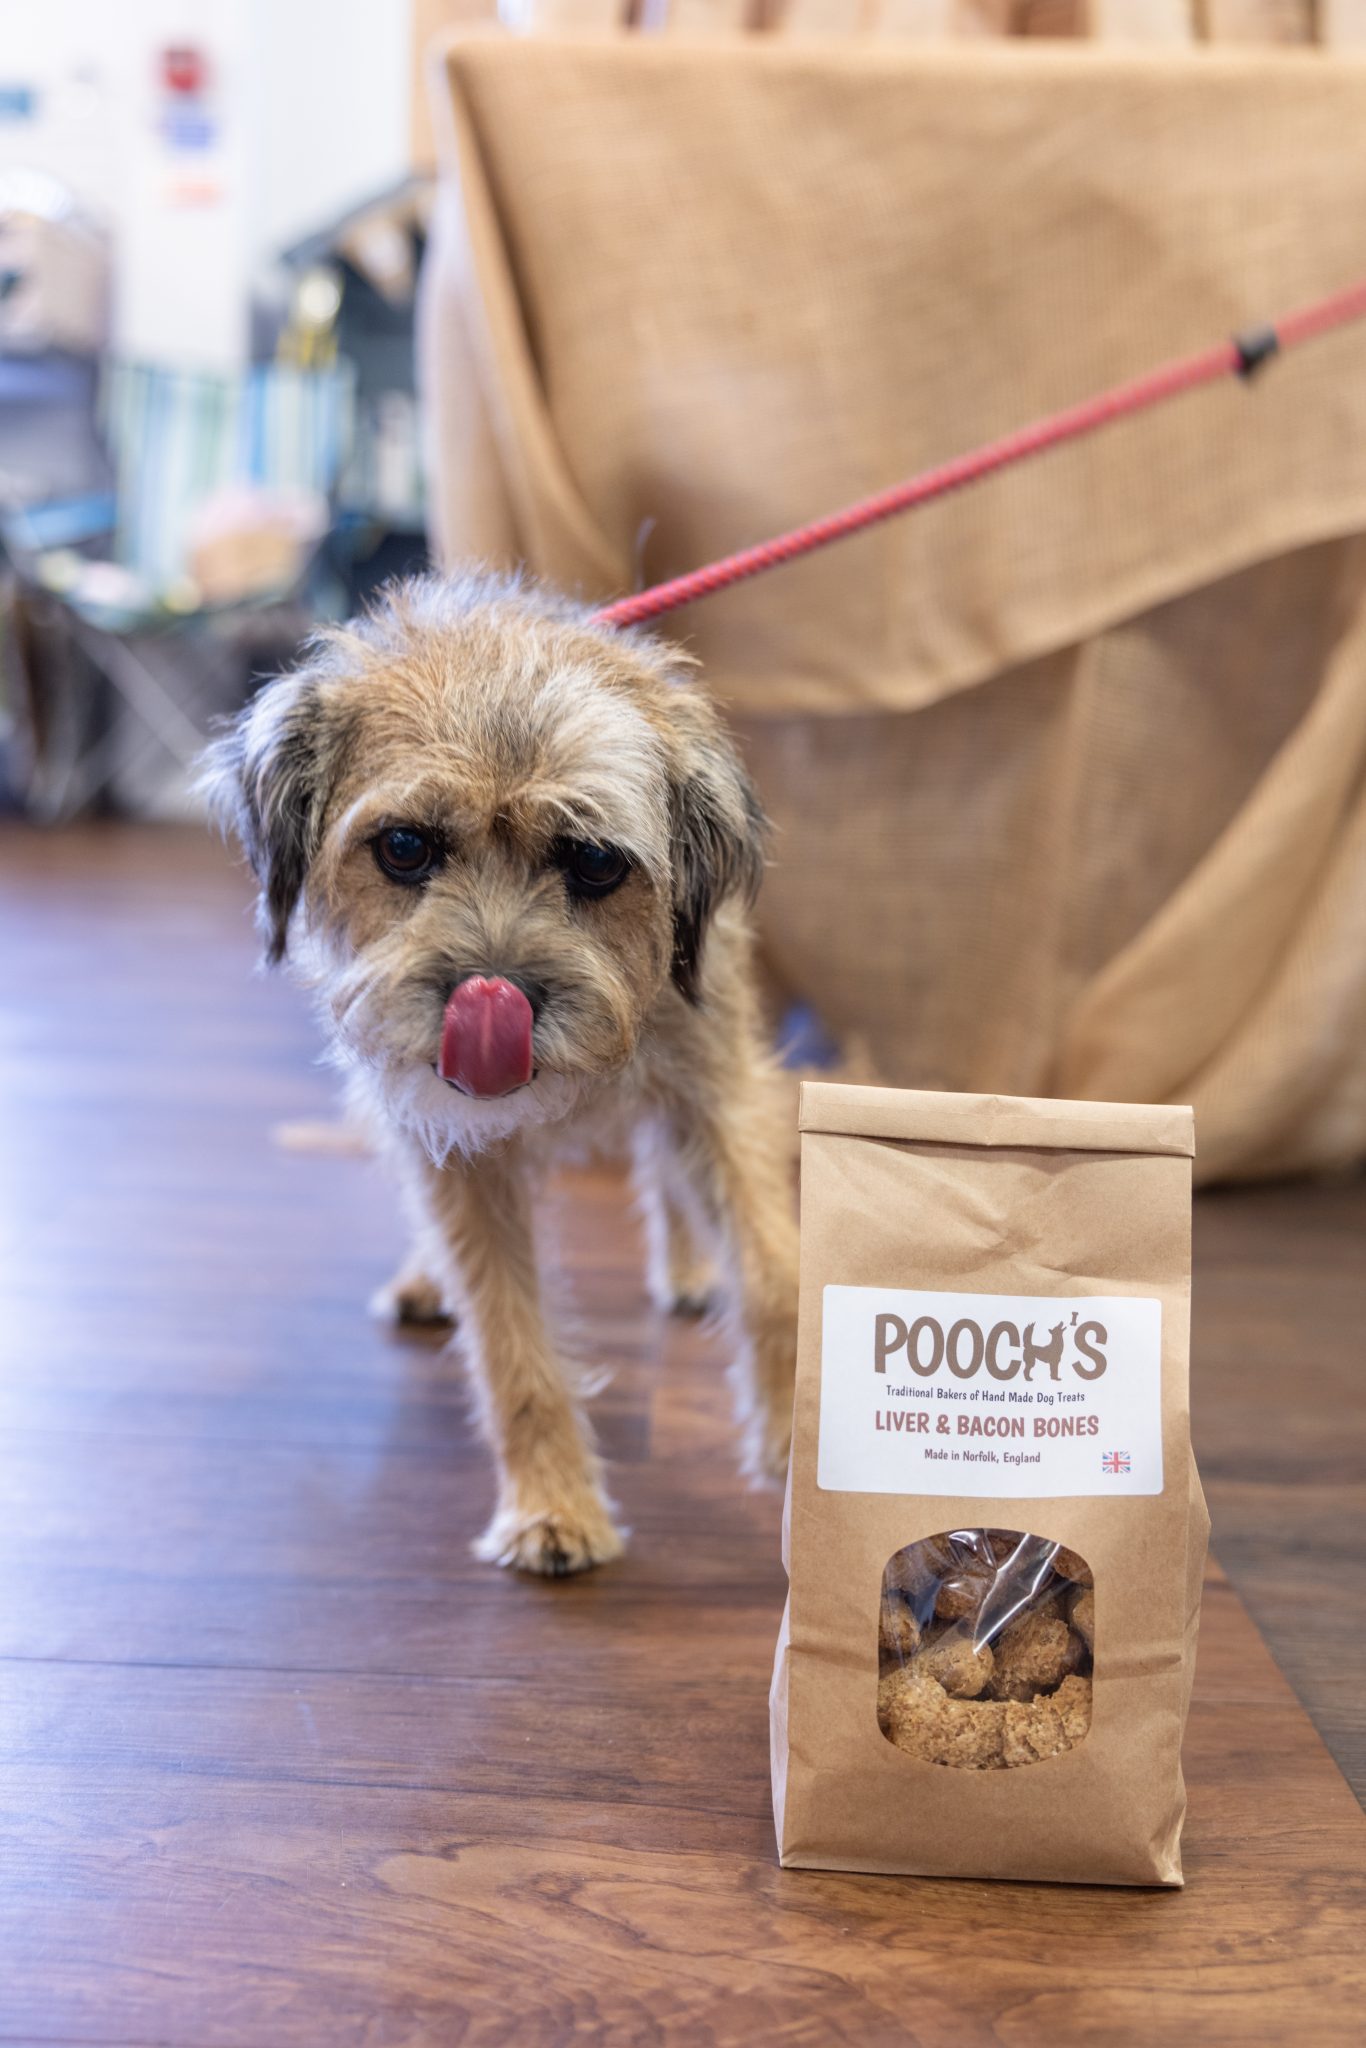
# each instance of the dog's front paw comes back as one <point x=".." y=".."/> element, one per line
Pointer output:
<point x="690" y="1293"/>
<point x="552" y="1541"/>
<point x="696" y="1300"/>
<point x="683" y="1280"/>
<point x="412" y="1296"/>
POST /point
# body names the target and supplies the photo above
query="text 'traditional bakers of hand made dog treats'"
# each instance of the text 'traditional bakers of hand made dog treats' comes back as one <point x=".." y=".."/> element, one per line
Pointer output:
<point x="995" y="1534"/>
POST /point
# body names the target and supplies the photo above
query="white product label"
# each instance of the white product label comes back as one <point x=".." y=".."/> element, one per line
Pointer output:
<point x="1003" y="1394"/>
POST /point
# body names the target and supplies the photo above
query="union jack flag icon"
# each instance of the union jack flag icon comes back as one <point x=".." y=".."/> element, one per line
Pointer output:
<point x="1115" y="1461"/>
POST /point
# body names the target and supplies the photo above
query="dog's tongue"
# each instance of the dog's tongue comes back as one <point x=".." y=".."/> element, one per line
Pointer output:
<point x="486" y="1037"/>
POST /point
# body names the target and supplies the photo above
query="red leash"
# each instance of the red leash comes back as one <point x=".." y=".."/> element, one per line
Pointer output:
<point x="1240" y="357"/>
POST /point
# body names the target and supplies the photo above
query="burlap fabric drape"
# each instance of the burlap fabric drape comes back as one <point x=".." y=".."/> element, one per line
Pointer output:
<point x="1070" y="772"/>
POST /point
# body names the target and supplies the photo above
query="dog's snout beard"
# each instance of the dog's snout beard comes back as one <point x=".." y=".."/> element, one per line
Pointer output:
<point x="389" y="1015"/>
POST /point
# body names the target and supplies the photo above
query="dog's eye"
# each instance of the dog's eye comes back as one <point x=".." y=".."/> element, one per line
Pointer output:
<point x="592" y="870"/>
<point x="406" y="854"/>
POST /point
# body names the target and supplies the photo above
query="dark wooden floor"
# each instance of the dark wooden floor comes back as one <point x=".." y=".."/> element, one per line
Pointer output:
<point x="279" y="1764"/>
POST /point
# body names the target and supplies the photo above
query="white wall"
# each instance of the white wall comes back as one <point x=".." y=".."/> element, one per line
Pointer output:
<point x="309" y="108"/>
<point x="69" y="52"/>
<point x="330" y="91"/>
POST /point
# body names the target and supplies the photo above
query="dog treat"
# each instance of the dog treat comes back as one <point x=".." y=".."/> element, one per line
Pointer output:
<point x="919" y="1716"/>
<point x="1047" y="1725"/>
<point x="1035" y="1654"/>
<point x="953" y="1660"/>
<point x="1010" y="1643"/>
<point x="1071" y="1566"/>
<point x="972" y="1462"/>
<point x="912" y="1573"/>
<point x="958" y="1597"/>
<point x="1082" y="1615"/>
<point x="898" y="1631"/>
<point x="1073" y="1701"/>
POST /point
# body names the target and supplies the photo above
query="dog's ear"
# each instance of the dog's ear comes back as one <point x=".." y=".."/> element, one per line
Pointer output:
<point x="267" y="779"/>
<point x="718" y="832"/>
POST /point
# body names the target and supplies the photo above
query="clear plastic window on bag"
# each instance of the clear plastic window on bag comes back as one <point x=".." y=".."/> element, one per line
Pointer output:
<point x="985" y="1645"/>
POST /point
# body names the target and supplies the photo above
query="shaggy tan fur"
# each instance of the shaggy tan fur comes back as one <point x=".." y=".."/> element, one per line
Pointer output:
<point x="501" y="723"/>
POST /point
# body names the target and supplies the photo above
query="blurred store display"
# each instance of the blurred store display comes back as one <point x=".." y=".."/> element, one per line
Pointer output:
<point x="246" y="541"/>
<point x="54" y="269"/>
<point x="171" y="527"/>
<point x="204" y="447"/>
<point x="352" y="300"/>
<point x="139" y="616"/>
<point x="177" y="438"/>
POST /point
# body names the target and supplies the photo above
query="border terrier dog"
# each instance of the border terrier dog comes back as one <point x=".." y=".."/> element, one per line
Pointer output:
<point x="512" y="854"/>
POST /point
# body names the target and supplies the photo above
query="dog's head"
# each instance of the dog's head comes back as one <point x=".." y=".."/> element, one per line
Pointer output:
<point x="493" y="836"/>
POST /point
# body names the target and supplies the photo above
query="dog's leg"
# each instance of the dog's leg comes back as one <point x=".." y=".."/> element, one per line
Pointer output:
<point x="552" y="1515"/>
<point x="413" y="1295"/>
<point x="680" y="1277"/>
<point x="728" y="1148"/>
<point x="692" y="1282"/>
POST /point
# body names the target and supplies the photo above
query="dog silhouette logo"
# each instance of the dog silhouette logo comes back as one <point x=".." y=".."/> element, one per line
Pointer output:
<point x="1049" y="1354"/>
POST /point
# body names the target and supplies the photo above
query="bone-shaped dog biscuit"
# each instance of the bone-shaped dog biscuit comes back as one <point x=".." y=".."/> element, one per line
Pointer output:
<point x="953" y="1660"/>
<point x="1034" y="1654"/>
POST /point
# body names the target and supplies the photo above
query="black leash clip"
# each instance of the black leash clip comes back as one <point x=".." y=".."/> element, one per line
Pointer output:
<point x="1255" y="346"/>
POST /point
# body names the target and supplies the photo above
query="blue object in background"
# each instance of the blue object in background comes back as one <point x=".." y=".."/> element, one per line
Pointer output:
<point x="803" y="1040"/>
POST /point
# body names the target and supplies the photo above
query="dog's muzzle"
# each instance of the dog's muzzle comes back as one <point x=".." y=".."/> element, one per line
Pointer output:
<point x="486" y="1037"/>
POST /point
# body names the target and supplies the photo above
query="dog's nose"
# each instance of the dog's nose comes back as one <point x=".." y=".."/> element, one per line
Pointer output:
<point x="534" y="991"/>
<point x="486" y="1036"/>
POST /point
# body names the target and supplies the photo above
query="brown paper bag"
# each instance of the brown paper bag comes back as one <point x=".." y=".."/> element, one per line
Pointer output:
<point x="994" y="1531"/>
